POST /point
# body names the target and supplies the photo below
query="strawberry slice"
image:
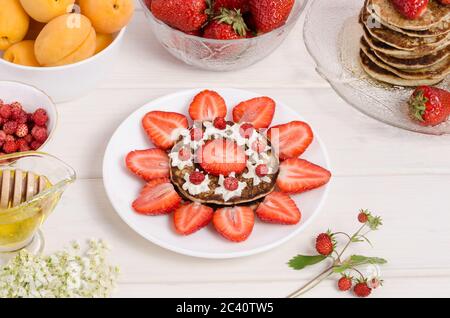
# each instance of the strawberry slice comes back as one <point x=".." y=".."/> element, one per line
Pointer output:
<point x="207" y="105"/>
<point x="157" y="197"/>
<point x="257" y="111"/>
<point x="190" y="218"/>
<point x="298" y="175"/>
<point x="291" y="139"/>
<point x="222" y="156"/>
<point x="235" y="224"/>
<point x="160" y="126"/>
<point x="279" y="208"/>
<point x="148" y="164"/>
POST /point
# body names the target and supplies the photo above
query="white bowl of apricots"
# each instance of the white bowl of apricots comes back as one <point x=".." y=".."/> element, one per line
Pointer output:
<point x="63" y="47"/>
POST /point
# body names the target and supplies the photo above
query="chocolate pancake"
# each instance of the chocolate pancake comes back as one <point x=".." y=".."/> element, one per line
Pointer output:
<point x="435" y="15"/>
<point x="383" y="75"/>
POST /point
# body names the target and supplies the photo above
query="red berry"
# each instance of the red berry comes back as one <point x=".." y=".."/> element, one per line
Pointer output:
<point x="184" y="154"/>
<point x="362" y="289"/>
<point x="345" y="283"/>
<point x="324" y="244"/>
<point x="362" y="217"/>
<point x="259" y="146"/>
<point x="196" y="134"/>
<point x="40" y="117"/>
<point x="22" y="130"/>
<point x="262" y="170"/>
<point x="22" y="145"/>
<point x="21" y="118"/>
<point x="246" y="130"/>
<point x="28" y="138"/>
<point x="5" y="111"/>
<point x="220" y="123"/>
<point x="16" y="111"/>
<point x="10" y="127"/>
<point x="196" y="177"/>
<point x="39" y="133"/>
<point x="35" y="145"/>
<point x="10" y="138"/>
<point x="231" y="183"/>
<point x="10" y="147"/>
<point x="2" y="137"/>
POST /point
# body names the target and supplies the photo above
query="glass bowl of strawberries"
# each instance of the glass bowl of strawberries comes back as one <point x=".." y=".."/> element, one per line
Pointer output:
<point x="28" y="118"/>
<point x="222" y="35"/>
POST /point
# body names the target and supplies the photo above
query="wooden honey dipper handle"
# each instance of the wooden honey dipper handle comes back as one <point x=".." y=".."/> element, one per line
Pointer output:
<point x="19" y="186"/>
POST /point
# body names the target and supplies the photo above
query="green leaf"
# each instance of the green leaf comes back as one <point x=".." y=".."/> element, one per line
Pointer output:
<point x="360" y="260"/>
<point x="301" y="261"/>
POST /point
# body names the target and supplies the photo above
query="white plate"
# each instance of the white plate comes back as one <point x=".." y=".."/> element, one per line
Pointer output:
<point x="123" y="187"/>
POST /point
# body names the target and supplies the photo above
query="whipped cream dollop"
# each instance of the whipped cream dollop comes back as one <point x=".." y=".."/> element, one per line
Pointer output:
<point x="195" y="189"/>
<point x="227" y="194"/>
<point x="176" y="161"/>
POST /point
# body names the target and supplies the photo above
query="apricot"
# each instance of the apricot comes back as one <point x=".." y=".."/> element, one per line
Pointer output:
<point x="103" y="41"/>
<point x="108" y="16"/>
<point x="14" y="23"/>
<point x="21" y="53"/>
<point x="46" y="10"/>
<point x="66" y="39"/>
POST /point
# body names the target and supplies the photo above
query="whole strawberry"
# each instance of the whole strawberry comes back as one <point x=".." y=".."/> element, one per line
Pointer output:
<point x="411" y="9"/>
<point x="228" y="25"/>
<point x="269" y="15"/>
<point x="324" y="244"/>
<point x="429" y="106"/>
<point x="185" y="15"/>
<point x="361" y="289"/>
<point x="345" y="283"/>
<point x="363" y="217"/>
<point x="242" y="5"/>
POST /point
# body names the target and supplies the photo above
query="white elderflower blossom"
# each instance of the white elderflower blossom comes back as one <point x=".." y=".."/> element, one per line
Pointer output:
<point x="67" y="273"/>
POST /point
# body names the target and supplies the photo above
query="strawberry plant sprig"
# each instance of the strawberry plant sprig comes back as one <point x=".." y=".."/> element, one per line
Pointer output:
<point x="326" y="246"/>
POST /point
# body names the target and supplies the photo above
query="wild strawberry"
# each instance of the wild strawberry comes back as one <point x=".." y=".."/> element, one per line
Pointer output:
<point x="231" y="183"/>
<point x="35" y="145"/>
<point x="261" y="170"/>
<point x="345" y="283"/>
<point x="374" y="283"/>
<point x="228" y="25"/>
<point x="196" y="177"/>
<point x="185" y="15"/>
<point x="40" y="117"/>
<point x="246" y="130"/>
<point x="16" y="110"/>
<point x="22" y="145"/>
<point x="361" y="289"/>
<point x="2" y="137"/>
<point x="429" y="106"/>
<point x="21" y="117"/>
<point x="196" y="134"/>
<point x="28" y="138"/>
<point x="184" y="154"/>
<point x="270" y="14"/>
<point x="39" y="133"/>
<point x="220" y="123"/>
<point x="325" y="244"/>
<point x="411" y="9"/>
<point x="363" y="217"/>
<point x="10" y="147"/>
<point x="22" y="130"/>
<point x="10" y="127"/>
<point x="5" y="111"/>
<point x="10" y="138"/>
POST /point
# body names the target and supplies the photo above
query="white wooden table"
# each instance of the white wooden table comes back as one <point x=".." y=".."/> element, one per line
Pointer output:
<point x="402" y="176"/>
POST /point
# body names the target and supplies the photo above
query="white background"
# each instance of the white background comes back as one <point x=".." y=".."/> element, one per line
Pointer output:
<point x="403" y="177"/>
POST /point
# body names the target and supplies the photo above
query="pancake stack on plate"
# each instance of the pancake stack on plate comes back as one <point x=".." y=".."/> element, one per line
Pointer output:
<point x="405" y="52"/>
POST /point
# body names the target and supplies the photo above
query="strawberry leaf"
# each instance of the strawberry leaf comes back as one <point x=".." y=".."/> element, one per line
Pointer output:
<point x="358" y="260"/>
<point x="301" y="261"/>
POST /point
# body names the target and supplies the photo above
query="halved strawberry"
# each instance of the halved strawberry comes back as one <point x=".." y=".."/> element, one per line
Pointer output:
<point x="279" y="208"/>
<point x="235" y="223"/>
<point x="157" y="197"/>
<point x="190" y="218"/>
<point x="148" y="164"/>
<point x="291" y="139"/>
<point x="160" y="126"/>
<point x="257" y="111"/>
<point x="222" y="156"/>
<point x="298" y="175"/>
<point x="207" y="105"/>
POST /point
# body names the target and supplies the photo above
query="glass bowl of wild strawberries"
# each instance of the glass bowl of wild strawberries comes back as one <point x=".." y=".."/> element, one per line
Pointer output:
<point x="28" y="118"/>
<point x="222" y="35"/>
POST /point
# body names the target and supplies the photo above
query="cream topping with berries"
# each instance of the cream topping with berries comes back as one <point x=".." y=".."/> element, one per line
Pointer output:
<point x="227" y="194"/>
<point x="195" y="189"/>
<point x="177" y="161"/>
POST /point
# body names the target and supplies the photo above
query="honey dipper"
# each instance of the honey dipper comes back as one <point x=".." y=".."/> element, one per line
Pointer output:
<point x="19" y="186"/>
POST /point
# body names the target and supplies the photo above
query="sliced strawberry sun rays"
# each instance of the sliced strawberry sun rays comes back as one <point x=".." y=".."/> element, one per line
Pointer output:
<point x="222" y="156"/>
